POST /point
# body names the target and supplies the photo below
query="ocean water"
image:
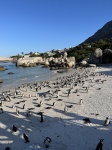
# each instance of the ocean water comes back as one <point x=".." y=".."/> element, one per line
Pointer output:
<point x="23" y="74"/>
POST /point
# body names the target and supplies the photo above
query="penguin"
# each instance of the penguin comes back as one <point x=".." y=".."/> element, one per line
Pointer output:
<point x="65" y="109"/>
<point x="40" y="104"/>
<point x="107" y="121"/>
<point x="99" y="145"/>
<point x="13" y="106"/>
<point x="41" y="114"/>
<point x="9" y="97"/>
<point x="24" y="106"/>
<point x="26" y="138"/>
<point x="14" y="128"/>
<point x="87" y="120"/>
<point x="81" y="101"/>
<point x="30" y="95"/>
<point x="54" y="103"/>
<point x="17" y="112"/>
<point x="7" y="148"/>
<point x="1" y="110"/>
<point x="1" y="103"/>
<point x="47" y="142"/>
<point x="28" y="114"/>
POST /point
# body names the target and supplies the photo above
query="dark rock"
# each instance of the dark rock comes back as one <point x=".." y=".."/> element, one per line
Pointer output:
<point x="10" y="73"/>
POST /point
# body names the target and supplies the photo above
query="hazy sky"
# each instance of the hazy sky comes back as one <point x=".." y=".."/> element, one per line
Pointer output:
<point x="42" y="25"/>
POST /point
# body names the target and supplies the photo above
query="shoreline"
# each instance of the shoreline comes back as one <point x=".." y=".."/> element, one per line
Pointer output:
<point x="66" y="128"/>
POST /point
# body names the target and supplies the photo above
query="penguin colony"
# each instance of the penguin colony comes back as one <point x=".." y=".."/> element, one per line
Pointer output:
<point x="71" y="82"/>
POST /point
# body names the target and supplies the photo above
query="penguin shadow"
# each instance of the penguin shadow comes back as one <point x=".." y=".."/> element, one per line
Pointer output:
<point x="49" y="104"/>
<point x="59" y="99"/>
<point x="35" y="99"/>
<point x="19" y="107"/>
<point x="8" y="106"/>
<point x="19" y="97"/>
<point x="73" y="103"/>
<point x="82" y="91"/>
<point x="35" y="103"/>
<point x="64" y="95"/>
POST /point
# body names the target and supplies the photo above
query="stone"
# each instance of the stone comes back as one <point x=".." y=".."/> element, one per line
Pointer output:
<point x="2" y="68"/>
<point x="84" y="63"/>
<point x="10" y="72"/>
<point x="92" y="65"/>
<point x="96" y="56"/>
<point x="1" y="81"/>
<point x="107" y="56"/>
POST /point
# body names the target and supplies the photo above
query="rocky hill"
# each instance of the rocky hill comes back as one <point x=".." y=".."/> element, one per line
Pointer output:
<point x="104" y="33"/>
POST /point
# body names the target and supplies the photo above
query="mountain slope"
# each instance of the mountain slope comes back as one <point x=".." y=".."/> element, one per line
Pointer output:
<point x="103" y="33"/>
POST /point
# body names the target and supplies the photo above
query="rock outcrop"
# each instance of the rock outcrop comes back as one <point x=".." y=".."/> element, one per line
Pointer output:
<point x="29" y="61"/>
<point x="2" y="68"/>
<point x="107" y="56"/>
<point x="1" y="81"/>
<point x="62" y="62"/>
<point x="96" y="56"/>
<point x="100" y="56"/>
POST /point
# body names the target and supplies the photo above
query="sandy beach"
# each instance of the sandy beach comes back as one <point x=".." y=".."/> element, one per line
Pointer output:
<point x="59" y="100"/>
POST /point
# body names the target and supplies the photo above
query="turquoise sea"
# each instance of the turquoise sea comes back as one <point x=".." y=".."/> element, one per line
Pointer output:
<point x="23" y="74"/>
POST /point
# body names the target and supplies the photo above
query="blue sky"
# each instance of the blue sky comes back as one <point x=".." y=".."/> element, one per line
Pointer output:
<point x="42" y="25"/>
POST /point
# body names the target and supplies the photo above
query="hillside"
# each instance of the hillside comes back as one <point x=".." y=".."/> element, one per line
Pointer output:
<point x="104" y="33"/>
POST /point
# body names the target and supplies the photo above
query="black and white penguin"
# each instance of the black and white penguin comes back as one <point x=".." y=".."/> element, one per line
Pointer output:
<point x="28" y="114"/>
<point x="7" y="148"/>
<point x="54" y="103"/>
<point x="1" y="103"/>
<point x="107" y="121"/>
<point x="1" y="110"/>
<point x="42" y="118"/>
<point x="81" y="101"/>
<point x="23" y="106"/>
<point x="99" y="145"/>
<point x="14" y="128"/>
<point x="13" y="106"/>
<point x="17" y="112"/>
<point x="26" y="138"/>
<point x="47" y="142"/>
<point x="65" y="109"/>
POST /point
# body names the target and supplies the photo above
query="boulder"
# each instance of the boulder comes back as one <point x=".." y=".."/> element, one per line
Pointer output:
<point x="2" y="68"/>
<point x="28" y="62"/>
<point x="92" y="65"/>
<point x="70" y="61"/>
<point x="46" y="63"/>
<point x="96" y="56"/>
<point x="10" y="72"/>
<point x="32" y="64"/>
<point x="84" y="63"/>
<point x="1" y="81"/>
<point x="107" y="56"/>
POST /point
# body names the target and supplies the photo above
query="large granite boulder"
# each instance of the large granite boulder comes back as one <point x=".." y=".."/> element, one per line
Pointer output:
<point x="84" y="63"/>
<point x="1" y="81"/>
<point x="2" y="68"/>
<point x="46" y="63"/>
<point x="71" y="61"/>
<point x="96" y="56"/>
<point x="107" y="56"/>
<point x="29" y="61"/>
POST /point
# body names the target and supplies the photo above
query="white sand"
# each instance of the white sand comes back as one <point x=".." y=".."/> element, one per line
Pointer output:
<point x="6" y="59"/>
<point x="66" y="129"/>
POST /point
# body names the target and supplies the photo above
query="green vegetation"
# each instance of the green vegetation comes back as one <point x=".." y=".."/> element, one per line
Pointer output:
<point x="84" y="50"/>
